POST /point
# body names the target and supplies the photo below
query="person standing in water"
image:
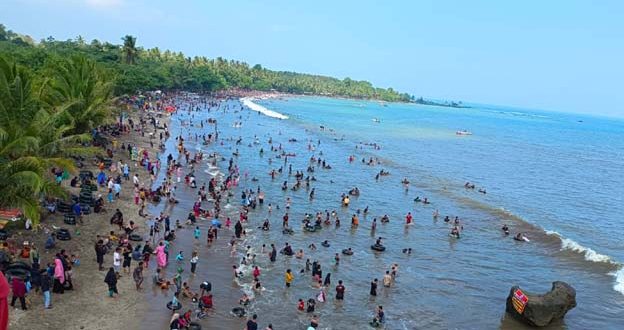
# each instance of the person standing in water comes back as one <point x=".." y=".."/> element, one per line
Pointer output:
<point x="288" y="277"/>
<point x="273" y="254"/>
<point x="373" y="287"/>
<point x="340" y="290"/>
<point x="194" y="260"/>
<point x="387" y="279"/>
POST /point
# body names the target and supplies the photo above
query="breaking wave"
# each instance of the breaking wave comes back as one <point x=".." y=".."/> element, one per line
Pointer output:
<point x="248" y="102"/>
<point x="593" y="256"/>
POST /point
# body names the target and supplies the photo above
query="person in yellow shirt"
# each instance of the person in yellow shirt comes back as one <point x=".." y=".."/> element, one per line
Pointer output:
<point x="288" y="277"/>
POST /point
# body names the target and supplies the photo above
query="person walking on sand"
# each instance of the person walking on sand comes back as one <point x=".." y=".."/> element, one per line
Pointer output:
<point x="111" y="281"/>
<point x="45" y="288"/>
<point x="137" y="275"/>
<point x="117" y="260"/>
<point x="100" y="251"/>
<point x="19" y="292"/>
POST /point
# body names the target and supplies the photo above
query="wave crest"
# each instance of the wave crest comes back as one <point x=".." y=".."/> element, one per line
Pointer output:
<point x="248" y="102"/>
<point x="593" y="256"/>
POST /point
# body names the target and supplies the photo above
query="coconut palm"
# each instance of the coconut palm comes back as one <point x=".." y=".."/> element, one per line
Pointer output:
<point x="35" y="138"/>
<point x="22" y="173"/>
<point x="80" y="96"/>
<point x="129" y="49"/>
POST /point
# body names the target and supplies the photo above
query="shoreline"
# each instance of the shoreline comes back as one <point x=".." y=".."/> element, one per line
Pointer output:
<point x="215" y="259"/>
<point x="89" y="293"/>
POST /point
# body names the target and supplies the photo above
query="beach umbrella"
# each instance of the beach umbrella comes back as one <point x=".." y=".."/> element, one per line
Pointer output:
<point x="170" y="108"/>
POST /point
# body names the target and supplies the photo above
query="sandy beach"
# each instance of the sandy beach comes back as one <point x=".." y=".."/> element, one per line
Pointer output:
<point x="87" y="306"/>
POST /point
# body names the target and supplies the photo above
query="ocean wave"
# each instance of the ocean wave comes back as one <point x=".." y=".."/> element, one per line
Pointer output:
<point x="593" y="256"/>
<point x="248" y="102"/>
<point x="619" y="280"/>
<point x="588" y="253"/>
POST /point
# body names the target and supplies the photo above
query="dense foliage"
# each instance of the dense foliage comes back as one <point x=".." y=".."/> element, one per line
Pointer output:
<point x="43" y="123"/>
<point x="138" y="69"/>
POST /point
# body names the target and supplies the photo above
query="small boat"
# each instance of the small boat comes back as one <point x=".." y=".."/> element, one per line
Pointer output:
<point x="376" y="120"/>
<point x="463" y="132"/>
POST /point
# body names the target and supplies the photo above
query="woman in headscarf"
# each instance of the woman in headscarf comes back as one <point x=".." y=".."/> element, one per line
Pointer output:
<point x="161" y="256"/>
<point x="59" y="276"/>
<point x="174" y="324"/>
<point x="111" y="280"/>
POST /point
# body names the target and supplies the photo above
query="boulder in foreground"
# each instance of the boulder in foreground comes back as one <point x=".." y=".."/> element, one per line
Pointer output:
<point x="541" y="309"/>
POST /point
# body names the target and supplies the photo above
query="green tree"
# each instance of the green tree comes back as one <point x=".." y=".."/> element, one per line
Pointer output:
<point x="129" y="49"/>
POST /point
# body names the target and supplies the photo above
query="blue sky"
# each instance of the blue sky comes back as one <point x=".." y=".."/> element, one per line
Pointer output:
<point x="554" y="55"/>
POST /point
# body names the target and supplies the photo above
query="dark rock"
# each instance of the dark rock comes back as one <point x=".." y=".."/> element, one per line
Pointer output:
<point x="541" y="309"/>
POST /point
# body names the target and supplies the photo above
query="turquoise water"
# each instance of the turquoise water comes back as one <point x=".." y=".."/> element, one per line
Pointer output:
<point x="556" y="177"/>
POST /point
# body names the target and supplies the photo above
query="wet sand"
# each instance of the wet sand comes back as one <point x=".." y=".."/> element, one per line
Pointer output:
<point x="88" y="305"/>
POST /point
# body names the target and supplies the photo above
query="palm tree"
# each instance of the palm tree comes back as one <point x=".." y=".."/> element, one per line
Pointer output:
<point x="129" y="49"/>
<point x="80" y="96"/>
<point x="23" y="172"/>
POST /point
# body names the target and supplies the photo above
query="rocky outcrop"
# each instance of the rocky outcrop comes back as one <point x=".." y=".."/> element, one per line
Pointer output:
<point x="541" y="309"/>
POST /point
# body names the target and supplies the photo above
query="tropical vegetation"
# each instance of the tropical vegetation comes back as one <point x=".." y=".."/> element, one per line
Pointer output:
<point x="138" y="69"/>
<point x="44" y="122"/>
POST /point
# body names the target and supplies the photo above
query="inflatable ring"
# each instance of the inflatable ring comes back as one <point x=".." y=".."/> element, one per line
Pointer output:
<point x="135" y="237"/>
<point x="287" y="231"/>
<point x="347" y="252"/>
<point x="17" y="272"/>
<point x="194" y="326"/>
<point x="206" y="286"/>
<point x="378" y="247"/>
<point x="309" y="229"/>
<point x="239" y="311"/>
<point x="63" y="234"/>
<point x="19" y="264"/>
<point x="325" y="244"/>
<point x="174" y="308"/>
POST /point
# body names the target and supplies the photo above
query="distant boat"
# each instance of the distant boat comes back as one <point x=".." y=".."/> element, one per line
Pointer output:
<point x="376" y="120"/>
<point x="463" y="132"/>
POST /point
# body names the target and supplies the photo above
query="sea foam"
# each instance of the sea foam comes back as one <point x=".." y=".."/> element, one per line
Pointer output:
<point x="593" y="256"/>
<point x="588" y="253"/>
<point x="248" y="102"/>
<point x="619" y="280"/>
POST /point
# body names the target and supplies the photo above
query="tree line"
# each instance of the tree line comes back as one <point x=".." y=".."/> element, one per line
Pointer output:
<point x="133" y="69"/>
